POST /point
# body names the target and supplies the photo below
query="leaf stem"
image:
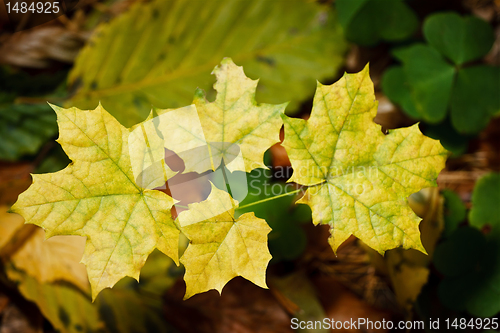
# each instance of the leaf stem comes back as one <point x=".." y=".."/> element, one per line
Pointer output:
<point x="271" y="198"/>
<point x="260" y="201"/>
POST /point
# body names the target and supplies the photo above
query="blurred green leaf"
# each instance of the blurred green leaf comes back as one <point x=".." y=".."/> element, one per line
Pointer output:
<point x="395" y="86"/>
<point x="158" y="52"/>
<point x="158" y="274"/>
<point x="454" y="211"/>
<point x="430" y="79"/>
<point x="348" y="9"/>
<point x="66" y="308"/>
<point x="475" y="98"/>
<point x="128" y="308"/>
<point x="427" y="85"/>
<point x="20" y="83"/>
<point x="448" y="136"/>
<point x="55" y="160"/>
<point x="486" y="202"/>
<point x="471" y="265"/>
<point x="460" y="39"/>
<point x="24" y="128"/>
<point x="299" y="290"/>
<point x="367" y="22"/>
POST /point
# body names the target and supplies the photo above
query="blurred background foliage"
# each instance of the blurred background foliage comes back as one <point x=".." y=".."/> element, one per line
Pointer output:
<point x="433" y="62"/>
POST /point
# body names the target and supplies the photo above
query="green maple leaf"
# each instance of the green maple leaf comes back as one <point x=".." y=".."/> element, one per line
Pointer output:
<point x="362" y="177"/>
<point x="96" y="197"/>
<point x="222" y="247"/>
<point x="228" y="126"/>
